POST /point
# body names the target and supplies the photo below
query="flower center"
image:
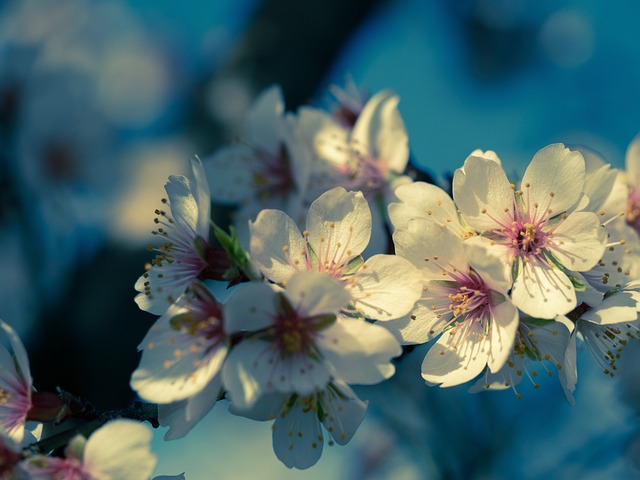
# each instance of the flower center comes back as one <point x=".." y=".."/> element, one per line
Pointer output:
<point x="274" y="177"/>
<point x="528" y="238"/>
<point x="294" y="333"/>
<point x="367" y="174"/>
<point x="464" y="299"/>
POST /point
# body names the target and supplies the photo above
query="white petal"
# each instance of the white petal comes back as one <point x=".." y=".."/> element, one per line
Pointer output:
<point x="202" y="196"/>
<point x="250" y="308"/>
<point x="632" y="161"/>
<point x="255" y="368"/>
<point x="420" y="326"/>
<point x="599" y="179"/>
<point x="182" y="416"/>
<point x="239" y="376"/>
<point x="579" y="241"/>
<point x="231" y="173"/>
<point x="19" y="352"/>
<point x="163" y="287"/>
<point x="313" y="293"/>
<point x="343" y="416"/>
<point x="359" y="351"/>
<point x="447" y="364"/>
<point x="120" y="451"/>
<point x="568" y="374"/>
<point x="423" y="200"/>
<point x="264" y="120"/>
<point x="504" y="325"/>
<point x="492" y="262"/>
<point x="329" y="139"/>
<point x="619" y="307"/>
<point x="555" y="170"/>
<point x="175" y="365"/>
<point x="482" y="186"/>
<point x="431" y="248"/>
<point x="267" y="407"/>
<point x="277" y="246"/>
<point x="184" y="206"/>
<point x="339" y="226"/>
<point x="297" y="437"/>
<point x="380" y="127"/>
<point x="543" y="292"/>
<point x="385" y="287"/>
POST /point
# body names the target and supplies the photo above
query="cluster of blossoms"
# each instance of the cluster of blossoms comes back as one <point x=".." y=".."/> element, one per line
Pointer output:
<point x="504" y="277"/>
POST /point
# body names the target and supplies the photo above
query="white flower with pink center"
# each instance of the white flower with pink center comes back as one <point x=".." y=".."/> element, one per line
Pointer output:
<point x="295" y="341"/>
<point x="15" y="385"/>
<point x="465" y="302"/>
<point x="534" y="226"/>
<point x="119" y="450"/>
<point x="269" y="167"/>
<point x="184" y="230"/>
<point x="183" y="353"/>
<point x="369" y="156"/>
<point x="338" y="230"/>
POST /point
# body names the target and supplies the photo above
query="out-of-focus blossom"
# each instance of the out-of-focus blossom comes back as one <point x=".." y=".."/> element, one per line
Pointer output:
<point x="270" y="166"/>
<point x="119" y="450"/>
<point x="369" y="156"/>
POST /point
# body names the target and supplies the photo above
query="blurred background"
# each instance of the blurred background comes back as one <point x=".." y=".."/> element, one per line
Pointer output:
<point x="101" y="100"/>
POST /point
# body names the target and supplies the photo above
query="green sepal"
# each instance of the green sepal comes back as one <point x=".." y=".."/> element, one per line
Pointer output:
<point x="577" y="284"/>
<point x="354" y="265"/>
<point x="231" y="244"/>
<point x="537" y="322"/>
<point x="320" y="322"/>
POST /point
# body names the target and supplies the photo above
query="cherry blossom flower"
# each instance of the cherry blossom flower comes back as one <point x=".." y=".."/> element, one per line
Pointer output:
<point x="539" y="347"/>
<point x="15" y="385"/>
<point x="119" y="450"/>
<point x="370" y="156"/>
<point x="185" y="253"/>
<point x="268" y="168"/>
<point x="606" y="327"/>
<point x="534" y="226"/>
<point x="183" y="352"/>
<point x="464" y="301"/>
<point x="298" y="439"/>
<point x="296" y="341"/>
<point x="349" y="102"/>
<point x="371" y="153"/>
<point x="338" y="230"/>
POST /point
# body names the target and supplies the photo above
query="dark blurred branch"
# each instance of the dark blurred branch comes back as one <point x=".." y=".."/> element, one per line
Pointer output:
<point x="290" y="43"/>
